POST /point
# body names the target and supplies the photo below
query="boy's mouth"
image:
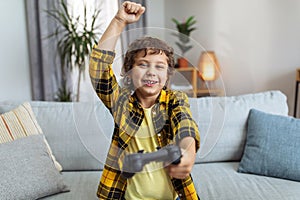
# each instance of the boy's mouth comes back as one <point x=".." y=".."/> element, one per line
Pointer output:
<point x="149" y="82"/>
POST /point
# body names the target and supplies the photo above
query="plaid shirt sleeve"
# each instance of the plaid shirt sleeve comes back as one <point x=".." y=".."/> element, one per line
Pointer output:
<point x="182" y="123"/>
<point x="103" y="78"/>
<point x="112" y="185"/>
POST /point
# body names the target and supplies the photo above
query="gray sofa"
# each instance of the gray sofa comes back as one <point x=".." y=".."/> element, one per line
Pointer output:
<point x="79" y="136"/>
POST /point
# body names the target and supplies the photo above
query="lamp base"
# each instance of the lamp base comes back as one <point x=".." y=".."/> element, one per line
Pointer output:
<point x="182" y="63"/>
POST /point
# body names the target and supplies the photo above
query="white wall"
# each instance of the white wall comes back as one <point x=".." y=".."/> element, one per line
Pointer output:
<point x="257" y="42"/>
<point x="14" y="60"/>
<point x="155" y="10"/>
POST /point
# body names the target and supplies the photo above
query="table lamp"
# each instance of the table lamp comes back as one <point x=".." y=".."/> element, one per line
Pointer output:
<point x="208" y="67"/>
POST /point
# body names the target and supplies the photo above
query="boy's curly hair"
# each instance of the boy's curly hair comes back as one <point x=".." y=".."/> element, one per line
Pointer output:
<point x="149" y="45"/>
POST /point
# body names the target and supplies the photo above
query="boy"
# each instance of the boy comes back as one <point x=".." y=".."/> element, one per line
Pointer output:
<point x="147" y="115"/>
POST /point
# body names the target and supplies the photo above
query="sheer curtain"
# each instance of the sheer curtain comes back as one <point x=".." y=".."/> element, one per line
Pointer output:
<point x="44" y="61"/>
<point x="108" y="11"/>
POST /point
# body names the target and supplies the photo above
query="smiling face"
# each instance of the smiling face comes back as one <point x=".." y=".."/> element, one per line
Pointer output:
<point x="149" y="74"/>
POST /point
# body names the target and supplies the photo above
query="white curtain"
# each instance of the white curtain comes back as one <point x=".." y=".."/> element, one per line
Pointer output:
<point x="45" y="63"/>
<point x="108" y="10"/>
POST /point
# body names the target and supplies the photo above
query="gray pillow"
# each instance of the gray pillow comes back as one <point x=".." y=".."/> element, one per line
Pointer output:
<point x="27" y="171"/>
<point x="272" y="146"/>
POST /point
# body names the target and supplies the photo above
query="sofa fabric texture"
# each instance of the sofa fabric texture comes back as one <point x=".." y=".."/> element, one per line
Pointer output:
<point x="21" y="122"/>
<point x="272" y="147"/>
<point x="221" y="181"/>
<point x="27" y="171"/>
<point x="79" y="135"/>
<point x="222" y="122"/>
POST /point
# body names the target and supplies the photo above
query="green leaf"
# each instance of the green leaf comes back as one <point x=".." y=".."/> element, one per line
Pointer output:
<point x="175" y="21"/>
<point x="75" y="38"/>
<point x="190" y="21"/>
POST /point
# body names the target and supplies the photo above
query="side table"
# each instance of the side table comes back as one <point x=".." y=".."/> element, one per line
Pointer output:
<point x="196" y="91"/>
<point x="193" y="72"/>
<point x="296" y="91"/>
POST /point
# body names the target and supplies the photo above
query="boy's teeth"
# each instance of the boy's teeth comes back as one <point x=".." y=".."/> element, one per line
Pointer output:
<point x="150" y="82"/>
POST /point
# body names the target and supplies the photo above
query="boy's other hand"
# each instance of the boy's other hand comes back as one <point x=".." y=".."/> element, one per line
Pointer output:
<point x="184" y="168"/>
<point x="130" y="12"/>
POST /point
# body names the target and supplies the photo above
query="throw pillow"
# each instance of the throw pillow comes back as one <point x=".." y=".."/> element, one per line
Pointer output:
<point x="21" y="122"/>
<point x="272" y="146"/>
<point x="27" y="171"/>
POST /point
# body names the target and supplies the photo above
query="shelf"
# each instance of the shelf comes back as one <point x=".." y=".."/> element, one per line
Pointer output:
<point x="195" y="91"/>
<point x="193" y="80"/>
<point x="204" y="92"/>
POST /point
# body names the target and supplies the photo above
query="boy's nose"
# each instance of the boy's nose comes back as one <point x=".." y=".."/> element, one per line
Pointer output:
<point x="150" y="71"/>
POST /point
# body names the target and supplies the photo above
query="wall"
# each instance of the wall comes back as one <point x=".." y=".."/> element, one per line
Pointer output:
<point x="14" y="61"/>
<point x="257" y="42"/>
<point x="155" y="13"/>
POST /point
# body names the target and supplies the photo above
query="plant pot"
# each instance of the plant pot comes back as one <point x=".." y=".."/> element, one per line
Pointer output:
<point x="183" y="63"/>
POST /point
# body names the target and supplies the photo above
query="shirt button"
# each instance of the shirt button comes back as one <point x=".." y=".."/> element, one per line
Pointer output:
<point x="154" y="112"/>
<point x="158" y="134"/>
<point x="180" y="195"/>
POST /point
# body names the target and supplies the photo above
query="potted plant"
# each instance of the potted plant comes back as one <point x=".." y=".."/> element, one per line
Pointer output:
<point x="184" y="28"/>
<point x="75" y="38"/>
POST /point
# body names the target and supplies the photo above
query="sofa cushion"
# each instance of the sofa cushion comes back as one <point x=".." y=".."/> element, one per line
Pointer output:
<point x="27" y="171"/>
<point x="21" y="122"/>
<point x="272" y="146"/>
<point x="83" y="185"/>
<point x="82" y="138"/>
<point x="221" y="181"/>
<point x="222" y="122"/>
<point x="78" y="133"/>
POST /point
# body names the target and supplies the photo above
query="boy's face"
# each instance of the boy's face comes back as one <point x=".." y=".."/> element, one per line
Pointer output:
<point x="149" y="74"/>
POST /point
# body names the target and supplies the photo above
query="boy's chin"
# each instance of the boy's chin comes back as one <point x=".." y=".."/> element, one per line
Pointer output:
<point x="148" y="91"/>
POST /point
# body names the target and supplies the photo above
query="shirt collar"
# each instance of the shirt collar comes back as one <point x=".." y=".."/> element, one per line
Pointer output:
<point x="161" y="99"/>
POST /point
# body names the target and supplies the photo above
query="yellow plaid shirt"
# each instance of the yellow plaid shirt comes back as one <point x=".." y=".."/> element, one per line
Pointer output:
<point x="172" y="121"/>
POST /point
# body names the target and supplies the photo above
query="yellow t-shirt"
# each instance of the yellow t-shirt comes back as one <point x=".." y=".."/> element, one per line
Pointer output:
<point x="153" y="183"/>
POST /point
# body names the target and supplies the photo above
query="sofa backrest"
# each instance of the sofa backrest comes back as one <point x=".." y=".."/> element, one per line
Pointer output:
<point x="79" y="134"/>
<point x="222" y="122"/>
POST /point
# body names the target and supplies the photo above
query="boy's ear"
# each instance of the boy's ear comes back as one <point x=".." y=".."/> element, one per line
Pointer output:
<point x="167" y="82"/>
<point x="127" y="80"/>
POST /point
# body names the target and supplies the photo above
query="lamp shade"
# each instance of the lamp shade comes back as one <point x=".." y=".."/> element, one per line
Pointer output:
<point x="208" y="66"/>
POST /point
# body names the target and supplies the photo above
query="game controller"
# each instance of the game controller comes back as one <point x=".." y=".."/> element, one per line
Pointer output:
<point x="135" y="162"/>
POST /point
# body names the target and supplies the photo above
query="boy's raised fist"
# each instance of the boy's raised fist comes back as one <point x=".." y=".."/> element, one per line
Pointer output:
<point x="130" y="12"/>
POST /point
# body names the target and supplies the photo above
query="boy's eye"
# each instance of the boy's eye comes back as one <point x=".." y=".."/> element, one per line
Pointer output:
<point x="161" y="66"/>
<point x="142" y="64"/>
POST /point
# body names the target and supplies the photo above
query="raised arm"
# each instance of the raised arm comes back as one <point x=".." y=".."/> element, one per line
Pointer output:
<point x="128" y="13"/>
<point x="101" y="73"/>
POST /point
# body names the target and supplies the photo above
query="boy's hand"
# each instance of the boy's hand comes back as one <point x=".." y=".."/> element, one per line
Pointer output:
<point x="184" y="168"/>
<point x="130" y="12"/>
